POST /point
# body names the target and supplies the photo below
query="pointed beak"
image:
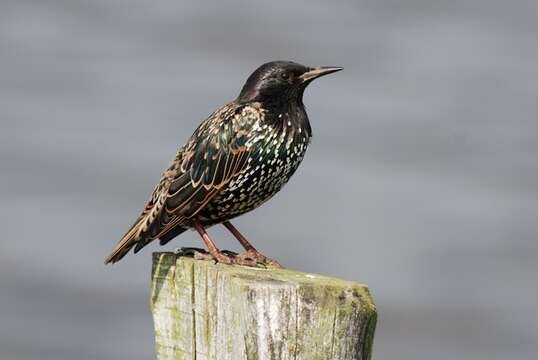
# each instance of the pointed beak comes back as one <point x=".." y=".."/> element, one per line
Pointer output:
<point x="314" y="73"/>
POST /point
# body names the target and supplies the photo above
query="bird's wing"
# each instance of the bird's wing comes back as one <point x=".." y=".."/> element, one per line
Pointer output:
<point x="215" y="153"/>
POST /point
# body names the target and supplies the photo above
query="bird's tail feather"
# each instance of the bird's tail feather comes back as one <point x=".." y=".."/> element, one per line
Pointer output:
<point x="130" y="239"/>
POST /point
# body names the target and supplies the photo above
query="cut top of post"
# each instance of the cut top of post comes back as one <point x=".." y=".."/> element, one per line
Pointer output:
<point x="209" y="311"/>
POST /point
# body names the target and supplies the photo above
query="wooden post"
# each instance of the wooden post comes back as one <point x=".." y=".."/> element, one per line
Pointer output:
<point x="208" y="311"/>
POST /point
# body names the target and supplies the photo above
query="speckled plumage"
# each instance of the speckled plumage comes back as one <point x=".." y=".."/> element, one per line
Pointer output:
<point x="237" y="159"/>
<point x="276" y="147"/>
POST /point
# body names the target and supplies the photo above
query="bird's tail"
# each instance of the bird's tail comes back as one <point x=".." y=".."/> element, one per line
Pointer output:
<point x="130" y="239"/>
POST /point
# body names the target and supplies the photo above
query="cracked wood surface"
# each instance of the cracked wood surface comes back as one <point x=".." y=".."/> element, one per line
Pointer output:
<point x="208" y="311"/>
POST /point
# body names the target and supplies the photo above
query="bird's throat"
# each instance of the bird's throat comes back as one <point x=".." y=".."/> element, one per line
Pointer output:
<point x="286" y="116"/>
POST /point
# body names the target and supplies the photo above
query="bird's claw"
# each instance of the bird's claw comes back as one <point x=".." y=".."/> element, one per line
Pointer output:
<point x="224" y="256"/>
<point x="258" y="258"/>
<point x="249" y="258"/>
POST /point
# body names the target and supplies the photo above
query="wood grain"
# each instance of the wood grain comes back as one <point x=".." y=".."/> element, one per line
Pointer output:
<point x="208" y="311"/>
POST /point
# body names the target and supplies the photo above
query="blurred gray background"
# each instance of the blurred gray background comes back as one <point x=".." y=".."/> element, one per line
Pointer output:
<point x="422" y="179"/>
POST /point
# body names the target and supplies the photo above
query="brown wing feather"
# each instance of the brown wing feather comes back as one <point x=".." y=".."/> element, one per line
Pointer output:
<point x="215" y="153"/>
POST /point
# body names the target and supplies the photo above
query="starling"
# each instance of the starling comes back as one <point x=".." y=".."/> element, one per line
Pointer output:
<point x="237" y="159"/>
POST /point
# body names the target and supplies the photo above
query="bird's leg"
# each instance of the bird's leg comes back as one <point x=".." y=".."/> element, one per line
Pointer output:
<point x="251" y="252"/>
<point x="214" y="251"/>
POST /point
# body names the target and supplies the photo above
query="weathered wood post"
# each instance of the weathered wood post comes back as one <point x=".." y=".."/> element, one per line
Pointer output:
<point x="208" y="311"/>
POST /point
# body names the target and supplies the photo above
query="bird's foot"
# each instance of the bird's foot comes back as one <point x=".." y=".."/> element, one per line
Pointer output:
<point x="258" y="258"/>
<point x="202" y="254"/>
<point x="250" y="258"/>
<point x="225" y="257"/>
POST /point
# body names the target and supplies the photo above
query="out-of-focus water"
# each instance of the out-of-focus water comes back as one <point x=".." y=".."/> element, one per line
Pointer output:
<point x="422" y="179"/>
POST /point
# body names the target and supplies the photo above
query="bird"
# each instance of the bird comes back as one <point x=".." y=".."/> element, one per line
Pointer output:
<point x="237" y="159"/>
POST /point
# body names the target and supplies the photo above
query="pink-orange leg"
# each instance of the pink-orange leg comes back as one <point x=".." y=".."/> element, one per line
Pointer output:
<point x="251" y="252"/>
<point x="214" y="251"/>
<point x="216" y="254"/>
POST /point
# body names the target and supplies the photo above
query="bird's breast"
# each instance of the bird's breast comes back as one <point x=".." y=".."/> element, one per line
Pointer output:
<point x="275" y="153"/>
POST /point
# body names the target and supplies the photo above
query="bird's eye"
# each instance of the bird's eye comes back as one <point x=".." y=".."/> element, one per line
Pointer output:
<point x="284" y="75"/>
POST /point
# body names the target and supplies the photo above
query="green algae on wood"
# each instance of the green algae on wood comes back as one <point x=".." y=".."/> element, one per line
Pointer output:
<point x="207" y="311"/>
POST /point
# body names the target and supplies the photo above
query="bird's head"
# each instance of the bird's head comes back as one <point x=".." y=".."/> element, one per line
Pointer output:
<point x="281" y="81"/>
